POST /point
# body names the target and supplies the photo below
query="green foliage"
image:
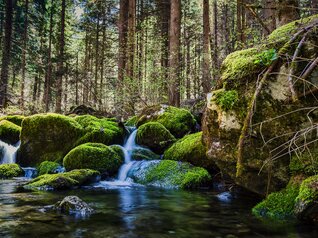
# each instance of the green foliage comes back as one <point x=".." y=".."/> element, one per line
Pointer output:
<point x="63" y="181"/>
<point x="178" y="175"/>
<point x="9" y="132"/>
<point x="227" y="99"/>
<point x="308" y="191"/>
<point x="154" y="136"/>
<point x="266" y="57"/>
<point x="10" y="170"/>
<point x="188" y="149"/>
<point x="48" y="167"/>
<point x="93" y="156"/>
<point x="305" y="163"/>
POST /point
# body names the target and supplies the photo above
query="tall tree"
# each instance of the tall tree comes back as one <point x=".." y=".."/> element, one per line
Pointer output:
<point x="6" y="54"/>
<point x="206" y="74"/>
<point x="174" y="60"/>
<point x="270" y="15"/>
<point x="314" y="6"/>
<point x="288" y="10"/>
<point x="60" y="65"/>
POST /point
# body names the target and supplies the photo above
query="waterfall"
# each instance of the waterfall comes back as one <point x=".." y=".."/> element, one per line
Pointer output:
<point x="128" y="148"/>
<point x="8" y="152"/>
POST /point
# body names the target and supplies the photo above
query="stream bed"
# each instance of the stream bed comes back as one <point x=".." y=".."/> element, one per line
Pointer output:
<point x="138" y="211"/>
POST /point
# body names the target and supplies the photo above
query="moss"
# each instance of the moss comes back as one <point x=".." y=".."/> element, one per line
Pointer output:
<point x="227" y="99"/>
<point x="175" y="174"/>
<point x="305" y="163"/>
<point x="308" y="191"/>
<point x="47" y="137"/>
<point x="64" y="180"/>
<point x="188" y="149"/>
<point x="104" y="130"/>
<point x="93" y="156"/>
<point x="144" y="154"/>
<point x="154" y="136"/>
<point x="9" y="132"/>
<point x="10" y="171"/>
<point x="279" y="205"/>
<point x="16" y="119"/>
<point x="119" y="150"/>
<point x="48" y="167"/>
<point x="132" y="121"/>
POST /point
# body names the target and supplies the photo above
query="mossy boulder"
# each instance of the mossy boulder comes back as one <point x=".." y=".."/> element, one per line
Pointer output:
<point x="305" y="162"/>
<point x="132" y="121"/>
<point x="93" y="156"/>
<point x="144" y="154"/>
<point x="275" y="117"/>
<point x="119" y="150"/>
<point x="9" y="132"/>
<point x="154" y="136"/>
<point x="189" y="149"/>
<point x="170" y="174"/>
<point x="10" y="170"/>
<point x="16" y="119"/>
<point x="63" y="181"/>
<point x="48" y="167"/>
<point x="178" y="121"/>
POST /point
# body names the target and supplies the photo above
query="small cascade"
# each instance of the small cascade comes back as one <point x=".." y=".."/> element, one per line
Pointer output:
<point x="30" y="173"/>
<point x="8" y="152"/>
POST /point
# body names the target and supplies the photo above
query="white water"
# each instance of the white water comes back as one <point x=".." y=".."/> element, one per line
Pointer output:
<point x="9" y="152"/>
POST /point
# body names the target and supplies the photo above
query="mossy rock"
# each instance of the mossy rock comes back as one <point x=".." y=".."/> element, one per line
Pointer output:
<point x="172" y="174"/>
<point x="100" y="130"/>
<point x="119" y="150"/>
<point x="144" y="154"/>
<point x="47" y="137"/>
<point x="16" y="119"/>
<point x="9" y="132"/>
<point x="10" y="170"/>
<point x="178" y="121"/>
<point x="189" y="149"/>
<point x="48" y="167"/>
<point x="63" y="181"/>
<point x="132" y="121"/>
<point x="305" y="163"/>
<point x="154" y="136"/>
<point x="93" y="156"/>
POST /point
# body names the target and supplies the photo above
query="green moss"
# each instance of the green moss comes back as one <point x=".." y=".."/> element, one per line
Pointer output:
<point x="308" y="191"/>
<point x="10" y="171"/>
<point x="144" y="154"/>
<point x="16" y="119"/>
<point x="48" y="167"/>
<point x="188" y="149"/>
<point x="132" y="121"/>
<point x="63" y="180"/>
<point x="279" y="205"/>
<point x="9" y="132"/>
<point x="305" y="163"/>
<point x="119" y="150"/>
<point x="175" y="174"/>
<point x="227" y="99"/>
<point x="93" y="156"/>
<point x="154" y="136"/>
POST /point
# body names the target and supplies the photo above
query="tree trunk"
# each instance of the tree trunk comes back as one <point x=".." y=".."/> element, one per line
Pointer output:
<point x="60" y="65"/>
<point x="314" y="6"/>
<point x="96" y="60"/>
<point x="174" y="59"/>
<point x="206" y="74"/>
<point x="6" y="54"/>
<point x="288" y="10"/>
<point x="270" y="15"/>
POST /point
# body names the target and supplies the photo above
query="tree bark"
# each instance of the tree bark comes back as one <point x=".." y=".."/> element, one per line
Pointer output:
<point x="6" y="54"/>
<point x="314" y="6"/>
<point x="174" y="59"/>
<point x="270" y="15"/>
<point x="288" y="10"/>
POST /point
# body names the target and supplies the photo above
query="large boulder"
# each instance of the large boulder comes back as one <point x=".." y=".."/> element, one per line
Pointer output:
<point x="73" y="205"/>
<point x="94" y="156"/>
<point x="49" y="167"/>
<point x="15" y="119"/>
<point x="63" y="181"/>
<point x="178" y="121"/>
<point x="141" y="153"/>
<point x="9" y="132"/>
<point x="154" y="136"/>
<point x="49" y="137"/>
<point x="10" y="170"/>
<point x="264" y="154"/>
<point x="189" y="149"/>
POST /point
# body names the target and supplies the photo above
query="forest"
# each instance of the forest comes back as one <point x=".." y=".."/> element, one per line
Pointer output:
<point x="158" y="118"/>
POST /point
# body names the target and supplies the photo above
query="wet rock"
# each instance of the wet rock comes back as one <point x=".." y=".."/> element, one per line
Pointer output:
<point x="73" y="205"/>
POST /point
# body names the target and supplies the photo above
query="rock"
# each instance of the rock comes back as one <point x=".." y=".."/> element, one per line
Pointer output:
<point x="49" y="137"/>
<point x="82" y="110"/>
<point x="306" y="205"/>
<point x="189" y="149"/>
<point x="73" y="205"/>
<point x="196" y="107"/>
<point x="144" y="154"/>
<point x="15" y="119"/>
<point x="93" y="156"/>
<point x="63" y="181"/>
<point x="178" y="121"/>
<point x="10" y="170"/>
<point x="119" y="150"/>
<point x="9" y="132"/>
<point x="169" y="174"/>
<point x="49" y="167"/>
<point x="132" y="121"/>
<point x="227" y="108"/>
<point x="154" y="136"/>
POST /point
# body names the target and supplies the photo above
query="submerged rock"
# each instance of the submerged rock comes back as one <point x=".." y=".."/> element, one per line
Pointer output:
<point x="63" y="181"/>
<point x="9" y="132"/>
<point x="10" y="170"/>
<point x="94" y="156"/>
<point x="154" y="136"/>
<point x="49" y="167"/>
<point x="73" y="205"/>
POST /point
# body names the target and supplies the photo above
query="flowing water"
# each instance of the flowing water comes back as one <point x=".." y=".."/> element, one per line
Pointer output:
<point x="8" y="152"/>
